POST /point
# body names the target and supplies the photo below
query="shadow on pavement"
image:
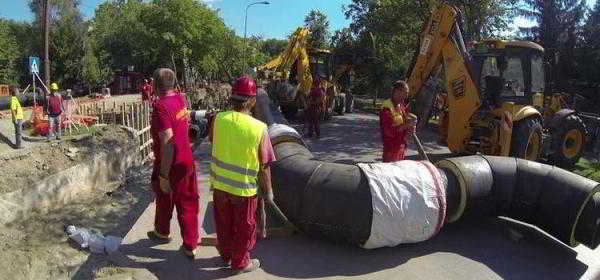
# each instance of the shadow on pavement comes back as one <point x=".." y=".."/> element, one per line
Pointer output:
<point x="6" y="140"/>
<point x="485" y="242"/>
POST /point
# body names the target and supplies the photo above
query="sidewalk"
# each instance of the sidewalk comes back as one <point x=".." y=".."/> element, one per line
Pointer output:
<point x="481" y="249"/>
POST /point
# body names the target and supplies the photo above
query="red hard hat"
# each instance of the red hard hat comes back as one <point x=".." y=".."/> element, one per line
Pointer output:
<point x="244" y="87"/>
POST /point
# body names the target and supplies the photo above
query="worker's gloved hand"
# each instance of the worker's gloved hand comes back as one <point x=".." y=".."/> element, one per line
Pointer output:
<point x="165" y="186"/>
<point x="412" y="128"/>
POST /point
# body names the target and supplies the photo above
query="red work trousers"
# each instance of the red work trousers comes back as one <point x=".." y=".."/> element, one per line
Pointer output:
<point x="235" y="220"/>
<point x="313" y="120"/>
<point x="393" y="152"/>
<point x="185" y="198"/>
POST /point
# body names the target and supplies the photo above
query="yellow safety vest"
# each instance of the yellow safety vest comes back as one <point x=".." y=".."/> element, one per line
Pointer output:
<point x="234" y="167"/>
<point x="397" y="115"/>
<point x="15" y="108"/>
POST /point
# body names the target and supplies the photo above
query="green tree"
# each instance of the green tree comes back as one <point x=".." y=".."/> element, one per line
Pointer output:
<point x="387" y="32"/>
<point x="94" y="73"/>
<point x="485" y="18"/>
<point x="122" y="38"/>
<point x="273" y="47"/>
<point x="9" y="54"/>
<point x="589" y="58"/>
<point x="67" y="47"/>
<point x="318" y="24"/>
<point x="558" y="23"/>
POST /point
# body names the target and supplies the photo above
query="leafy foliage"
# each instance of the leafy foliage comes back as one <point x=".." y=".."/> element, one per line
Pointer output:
<point x="318" y="24"/>
<point x="589" y="54"/>
<point x="273" y="47"/>
<point x="558" y="24"/>
<point x="9" y="54"/>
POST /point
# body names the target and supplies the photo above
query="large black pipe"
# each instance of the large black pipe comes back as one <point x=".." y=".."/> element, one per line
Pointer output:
<point x="562" y="203"/>
<point x="334" y="200"/>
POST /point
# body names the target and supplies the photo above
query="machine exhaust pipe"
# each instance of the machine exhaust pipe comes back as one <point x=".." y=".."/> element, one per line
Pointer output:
<point x="342" y="202"/>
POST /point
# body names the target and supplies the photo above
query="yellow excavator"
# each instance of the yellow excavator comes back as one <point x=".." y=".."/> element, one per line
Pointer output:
<point x="291" y="73"/>
<point x="496" y="102"/>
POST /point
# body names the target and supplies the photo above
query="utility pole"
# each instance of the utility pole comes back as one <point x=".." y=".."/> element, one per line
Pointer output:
<point x="245" y="22"/>
<point x="46" y="42"/>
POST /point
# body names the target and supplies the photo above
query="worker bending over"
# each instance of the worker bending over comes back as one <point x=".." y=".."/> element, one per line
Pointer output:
<point x="173" y="177"/>
<point x="241" y="154"/>
<point x="395" y="124"/>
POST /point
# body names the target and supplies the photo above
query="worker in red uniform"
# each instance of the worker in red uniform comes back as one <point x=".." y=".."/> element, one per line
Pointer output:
<point x="173" y="178"/>
<point x="241" y="156"/>
<point x="146" y="91"/>
<point x="395" y="124"/>
<point x="316" y="107"/>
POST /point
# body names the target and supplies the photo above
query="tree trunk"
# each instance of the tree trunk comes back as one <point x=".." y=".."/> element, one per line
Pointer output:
<point x="46" y="42"/>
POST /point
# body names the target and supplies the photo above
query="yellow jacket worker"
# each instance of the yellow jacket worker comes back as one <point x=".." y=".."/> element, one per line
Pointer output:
<point x="17" y="115"/>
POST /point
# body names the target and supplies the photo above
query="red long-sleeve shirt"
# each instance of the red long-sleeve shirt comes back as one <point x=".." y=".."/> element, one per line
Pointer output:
<point x="391" y="135"/>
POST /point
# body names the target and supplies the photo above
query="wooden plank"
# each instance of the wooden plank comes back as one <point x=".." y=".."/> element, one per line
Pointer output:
<point x="127" y="116"/>
<point x="138" y="110"/>
<point x="134" y="116"/>
<point x="123" y="115"/>
<point x="132" y="119"/>
<point x="102" y="110"/>
<point x="143" y="131"/>
<point x="146" y="144"/>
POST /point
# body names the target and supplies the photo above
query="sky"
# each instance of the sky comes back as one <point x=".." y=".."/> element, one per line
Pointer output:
<point x="275" y="20"/>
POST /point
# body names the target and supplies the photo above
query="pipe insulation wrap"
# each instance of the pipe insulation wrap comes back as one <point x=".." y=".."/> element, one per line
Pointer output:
<point x="409" y="202"/>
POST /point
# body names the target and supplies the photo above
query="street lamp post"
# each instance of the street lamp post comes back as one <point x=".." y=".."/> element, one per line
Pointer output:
<point x="245" y="22"/>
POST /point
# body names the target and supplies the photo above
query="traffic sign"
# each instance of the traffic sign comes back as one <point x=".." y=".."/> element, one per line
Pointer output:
<point x="34" y="65"/>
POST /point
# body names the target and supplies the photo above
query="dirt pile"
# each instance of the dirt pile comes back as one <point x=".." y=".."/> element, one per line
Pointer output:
<point x="23" y="169"/>
<point x="214" y="97"/>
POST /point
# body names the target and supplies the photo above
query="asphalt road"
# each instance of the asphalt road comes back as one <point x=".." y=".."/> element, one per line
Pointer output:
<point x="478" y="249"/>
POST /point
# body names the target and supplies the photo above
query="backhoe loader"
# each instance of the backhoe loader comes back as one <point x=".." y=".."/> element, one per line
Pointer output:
<point x="291" y="73"/>
<point x="496" y="103"/>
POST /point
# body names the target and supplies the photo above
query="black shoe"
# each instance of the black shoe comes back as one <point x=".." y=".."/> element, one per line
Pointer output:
<point x="155" y="236"/>
<point x="252" y="266"/>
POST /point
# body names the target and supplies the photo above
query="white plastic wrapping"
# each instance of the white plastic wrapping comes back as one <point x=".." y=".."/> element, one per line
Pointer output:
<point x="409" y="202"/>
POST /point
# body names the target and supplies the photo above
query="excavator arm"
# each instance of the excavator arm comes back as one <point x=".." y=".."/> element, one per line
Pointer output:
<point x="441" y="44"/>
<point x="296" y="50"/>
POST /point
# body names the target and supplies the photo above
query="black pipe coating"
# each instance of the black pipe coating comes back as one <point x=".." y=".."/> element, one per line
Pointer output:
<point x="334" y="200"/>
<point x="564" y="204"/>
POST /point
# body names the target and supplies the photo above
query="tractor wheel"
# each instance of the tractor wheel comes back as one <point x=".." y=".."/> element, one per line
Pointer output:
<point x="568" y="141"/>
<point x="526" y="139"/>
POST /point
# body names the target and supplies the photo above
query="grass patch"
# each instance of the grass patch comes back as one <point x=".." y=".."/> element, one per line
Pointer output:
<point x="588" y="169"/>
